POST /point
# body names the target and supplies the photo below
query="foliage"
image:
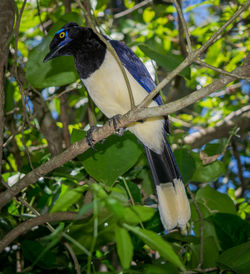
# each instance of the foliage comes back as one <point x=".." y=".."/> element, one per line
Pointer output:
<point x="112" y="186"/>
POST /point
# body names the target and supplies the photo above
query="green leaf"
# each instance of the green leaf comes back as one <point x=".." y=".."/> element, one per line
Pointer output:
<point x="148" y="15"/>
<point x="237" y="258"/>
<point x="157" y="243"/>
<point x="68" y="198"/>
<point x="215" y="201"/>
<point x="231" y="230"/>
<point x="112" y="159"/>
<point x="115" y="207"/>
<point x="207" y="173"/>
<point x="186" y="163"/>
<point x="134" y="190"/>
<point x="137" y="214"/>
<point x="57" y="72"/>
<point x="9" y="90"/>
<point x="168" y="61"/>
<point x="77" y="135"/>
<point x="124" y="246"/>
<point x="32" y="249"/>
<point x="167" y="268"/>
<point x="210" y="251"/>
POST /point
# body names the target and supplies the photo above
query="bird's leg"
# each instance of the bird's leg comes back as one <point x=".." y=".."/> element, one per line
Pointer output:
<point x="89" y="136"/>
<point x="115" y="120"/>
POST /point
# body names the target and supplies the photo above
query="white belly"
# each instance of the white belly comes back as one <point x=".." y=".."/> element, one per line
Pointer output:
<point x="108" y="90"/>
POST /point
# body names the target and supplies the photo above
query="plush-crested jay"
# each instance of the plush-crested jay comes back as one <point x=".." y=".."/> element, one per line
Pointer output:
<point x="104" y="81"/>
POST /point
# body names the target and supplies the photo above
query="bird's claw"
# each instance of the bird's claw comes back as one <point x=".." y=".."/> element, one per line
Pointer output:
<point x="89" y="136"/>
<point x="115" y="120"/>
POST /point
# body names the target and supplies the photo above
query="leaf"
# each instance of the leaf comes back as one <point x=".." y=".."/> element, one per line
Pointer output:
<point x="167" y="268"/>
<point x="148" y="15"/>
<point x="32" y="249"/>
<point x="237" y="258"/>
<point x="68" y="198"/>
<point x="9" y="90"/>
<point x="186" y="163"/>
<point x="77" y="135"/>
<point x="57" y="72"/>
<point x="134" y="190"/>
<point x="112" y="159"/>
<point x="157" y="243"/>
<point x="231" y="230"/>
<point x="168" y="60"/>
<point x="211" y="253"/>
<point x="136" y="214"/>
<point x="124" y="246"/>
<point x="208" y="173"/>
<point x="115" y="207"/>
<point x="215" y="201"/>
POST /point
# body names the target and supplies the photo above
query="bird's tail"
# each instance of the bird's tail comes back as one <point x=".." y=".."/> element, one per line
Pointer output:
<point x="172" y="199"/>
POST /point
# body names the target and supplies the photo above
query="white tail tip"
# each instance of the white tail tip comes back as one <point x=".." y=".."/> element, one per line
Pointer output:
<point x="173" y="204"/>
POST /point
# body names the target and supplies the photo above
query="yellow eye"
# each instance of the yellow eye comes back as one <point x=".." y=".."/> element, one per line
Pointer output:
<point x="62" y="34"/>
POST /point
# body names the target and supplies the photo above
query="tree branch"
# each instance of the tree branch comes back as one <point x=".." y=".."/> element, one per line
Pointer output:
<point x="26" y="226"/>
<point x="239" y="118"/>
<point x="103" y="132"/>
<point x="7" y="18"/>
<point x="192" y="56"/>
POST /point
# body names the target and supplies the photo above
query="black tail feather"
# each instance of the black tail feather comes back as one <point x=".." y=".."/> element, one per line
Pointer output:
<point x="173" y="203"/>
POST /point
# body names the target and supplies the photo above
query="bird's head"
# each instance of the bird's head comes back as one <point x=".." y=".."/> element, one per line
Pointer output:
<point x="69" y="39"/>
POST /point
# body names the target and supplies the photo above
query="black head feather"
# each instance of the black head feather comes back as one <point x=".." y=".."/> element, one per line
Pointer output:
<point x="82" y="43"/>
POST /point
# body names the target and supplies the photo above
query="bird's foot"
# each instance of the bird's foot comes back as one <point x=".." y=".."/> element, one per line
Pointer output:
<point x="89" y="137"/>
<point x="115" y="120"/>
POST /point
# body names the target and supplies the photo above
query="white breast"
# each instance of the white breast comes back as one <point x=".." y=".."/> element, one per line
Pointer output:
<point x="108" y="90"/>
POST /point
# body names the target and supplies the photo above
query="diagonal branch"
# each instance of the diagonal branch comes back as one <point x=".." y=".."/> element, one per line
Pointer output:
<point x="105" y="131"/>
<point x="192" y="56"/>
<point x="26" y="226"/>
<point x="239" y="118"/>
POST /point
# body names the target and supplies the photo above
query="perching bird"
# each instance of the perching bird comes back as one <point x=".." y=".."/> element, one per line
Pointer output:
<point x="103" y="79"/>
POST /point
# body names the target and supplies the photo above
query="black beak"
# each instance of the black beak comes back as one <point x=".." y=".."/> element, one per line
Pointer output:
<point x="52" y="54"/>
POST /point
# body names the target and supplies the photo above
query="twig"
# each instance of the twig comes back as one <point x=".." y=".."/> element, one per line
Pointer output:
<point x="95" y="233"/>
<point x="42" y="219"/>
<point x="184" y="25"/>
<point x="74" y="258"/>
<point x="135" y="7"/>
<point x="239" y="118"/>
<point x="64" y="120"/>
<point x="113" y="52"/>
<point x="192" y="56"/>
<point x="201" y="227"/>
<point x="199" y="62"/>
<point x="103" y="132"/>
<point x="239" y="165"/>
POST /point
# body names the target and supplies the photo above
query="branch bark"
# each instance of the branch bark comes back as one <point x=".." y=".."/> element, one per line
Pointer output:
<point x="26" y="226"/>
<point x="103" y="132"/>
<point x="7" y="18"/>
<point x="239" y="118"/>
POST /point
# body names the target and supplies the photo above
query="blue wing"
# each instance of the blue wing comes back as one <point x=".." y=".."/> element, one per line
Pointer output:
<point x="135" y="66"/>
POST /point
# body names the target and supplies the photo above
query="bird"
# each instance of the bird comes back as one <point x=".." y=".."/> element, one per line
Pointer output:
<point x="104" y="82"/>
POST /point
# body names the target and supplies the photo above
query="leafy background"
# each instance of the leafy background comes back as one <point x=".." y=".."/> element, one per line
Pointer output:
<point x="112" y="185"/>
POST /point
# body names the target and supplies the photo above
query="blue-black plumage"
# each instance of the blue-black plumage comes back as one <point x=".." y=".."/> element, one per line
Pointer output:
<point x="102" y="77"/>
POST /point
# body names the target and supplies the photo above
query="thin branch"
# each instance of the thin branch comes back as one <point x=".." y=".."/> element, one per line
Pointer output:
<point x="201" y="227"/>
<point x="239" y="166"/>
<point x="26" y="226"/>
<point x="192" y="56"/>
<point x="239" y="118"/>
<point x="113" y="52"/>
<point x="135" y="7"/>
<point x="64" y="120"/>
<point x="103" y="132"/>
<point x="184" y="25"/>
<point x="199" y="62"/>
